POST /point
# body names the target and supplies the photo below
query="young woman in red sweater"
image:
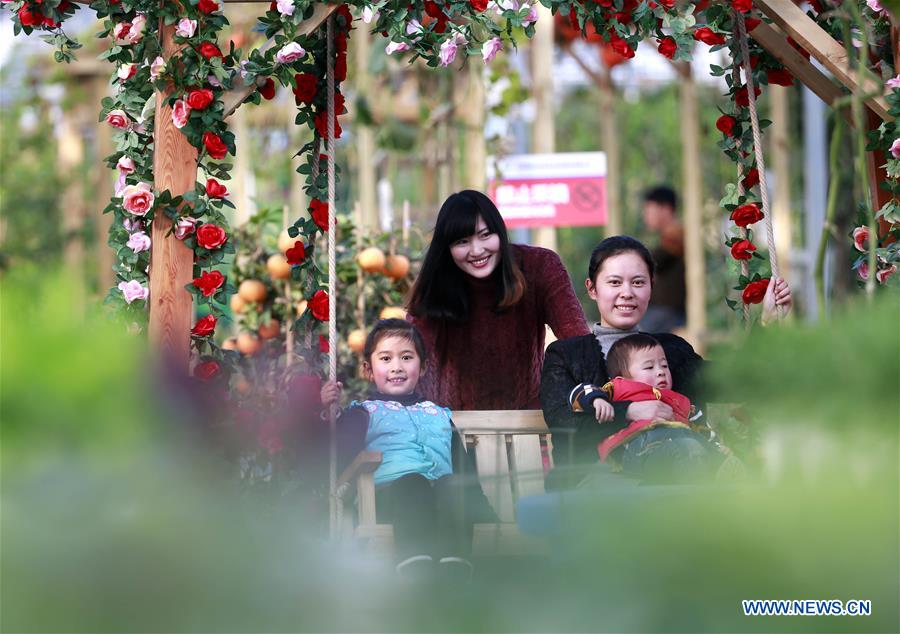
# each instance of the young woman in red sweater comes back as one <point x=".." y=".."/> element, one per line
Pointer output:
<point x="482" y="305"/>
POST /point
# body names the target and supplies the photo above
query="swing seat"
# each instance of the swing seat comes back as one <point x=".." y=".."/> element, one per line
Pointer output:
<point x="509" y="448"/>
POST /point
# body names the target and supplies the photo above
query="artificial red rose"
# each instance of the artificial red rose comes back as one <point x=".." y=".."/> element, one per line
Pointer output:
<point x="65" y="5"/>
<point x="746" y="215"/>
<point x="209" y="50"/>
<point x="340" y="67"/>
<point x="209" y="282"/>
<point x="267" y="90"/>
<point x="215" y="189"/>
<point x="200" y="99"/>
<point x="207" y="370"/>
<point x="296" y="254"/>
<point x="708" y="36"/>
<point x="204" y="327"/>
<point x="208" y="6"/>
<point x="751" y="179"/>
<point x="321" y="122"/>
<point x="340" y="42"/>
<point x="479" y="5"/>
<point x="742" y="6"/>
<point x="319" y="211"/>
<point x="604" y="3"/>
<point x="620" y="46"/>
<point x="214" y="145"/>
<point x="742" y="96"/>
<point x="623" y="17"/>
<point x="667" y="47"/>
<point x="343" y="11"/>
<point x="318" y="305"/>
<point x="668" y="4"/>
<point x="306" y="88"/>
<point x="210" y="236"/>
<point x="754" y="292"/>
<point x="49" y="22"/>
<point x="751" y="23"/>
<point x="432" y="9"/>
<point x="742" y="250"/>
<point x="338" y="103"/>
<point x="726" y="124"/>
<point x="323" y="344"/>
<point x="27" y="18"/>
<point x="781" y="77"/>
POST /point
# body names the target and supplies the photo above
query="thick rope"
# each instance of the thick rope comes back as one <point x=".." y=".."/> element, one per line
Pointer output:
<point x="757" y="141"/>
<point x="332" y="307"/>
<point x="745" y="267"/>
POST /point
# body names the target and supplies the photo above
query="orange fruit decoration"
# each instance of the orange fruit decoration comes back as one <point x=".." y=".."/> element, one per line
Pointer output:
<point x="396" y="267"/>
<point x="285" y="241"/>
<point x="371" y="259"/>
<point x="248" y="343"/>
<point x="230" y="343"/>
<point x="270" y="330"/>
<point x="252" y="291"/>
<point x="278" y="267"/>
<point x="356" y="340"/>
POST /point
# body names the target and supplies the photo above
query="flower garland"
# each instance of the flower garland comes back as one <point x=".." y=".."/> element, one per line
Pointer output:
<point x="200" y="72"/>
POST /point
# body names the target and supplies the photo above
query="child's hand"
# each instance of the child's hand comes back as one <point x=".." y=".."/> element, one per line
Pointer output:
<point x="331" y="393"/>
<point x="604" y="410"/>
<point x="649" y="410"/>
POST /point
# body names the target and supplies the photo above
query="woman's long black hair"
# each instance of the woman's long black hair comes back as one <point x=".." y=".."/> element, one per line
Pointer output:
<point x="439" y="291"/>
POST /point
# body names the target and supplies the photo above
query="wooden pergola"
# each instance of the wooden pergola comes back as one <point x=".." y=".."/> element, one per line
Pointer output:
<point x="175" y="163"/>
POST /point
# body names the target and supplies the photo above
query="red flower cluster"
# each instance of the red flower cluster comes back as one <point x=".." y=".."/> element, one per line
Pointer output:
<point x="479" y="5"/>
<point x="755" y="292"/>
<point x="726" y="124"/>
<point x="296" y="254"/>
<point x="742" y="250"/>
<point x="780" y="76"/>
<point x="746" y="215"/>
<point x="267" y="90"/>
<point x="667" y="47"/>
<point x="207" y="370"/>
<point x="208" y="6"/>
<point x="318" y="305"/>
<point x="210" y="236"/>
<point x="620" y="46"/>
<point x="751" y="179"/>
<point x="209" y="282"/>
<point x="205" y="326"/>
<point x="306" y="88"/>
<point x="742" y="96"/>
<point x="318" y="209"/>
<point x="200" y="99"/>
<point x="215" y="189"/>
<point x="209" y="50"/>
<point x="321" y="123"/>
<point x="708" y="36"/>
<point x="742" y="5"/>
<point x="214" y="145"/>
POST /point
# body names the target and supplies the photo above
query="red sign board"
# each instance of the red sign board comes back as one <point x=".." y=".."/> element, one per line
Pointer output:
<point x="550" y="190"/>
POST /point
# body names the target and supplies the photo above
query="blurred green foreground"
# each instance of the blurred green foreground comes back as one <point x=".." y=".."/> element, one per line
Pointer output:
<point x="116" y="518"/>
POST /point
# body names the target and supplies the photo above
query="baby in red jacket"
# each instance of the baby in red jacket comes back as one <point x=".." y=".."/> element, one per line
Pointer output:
<point x="638" y="363"/>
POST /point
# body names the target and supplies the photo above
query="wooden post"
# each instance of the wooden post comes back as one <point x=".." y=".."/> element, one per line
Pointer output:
<point x="692" y="209"/>
<point x="781" y="204"/>
<point x="365" y="135"/>
<point x="171" y="262"/>
<point x="543" y="130"/>
<point x="473" y="119"/>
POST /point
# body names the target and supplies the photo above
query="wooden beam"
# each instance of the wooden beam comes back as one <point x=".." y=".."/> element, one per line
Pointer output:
<point x="171" y="262"/>
<point x="825" y="49"/>
<point x="236" y="96"/>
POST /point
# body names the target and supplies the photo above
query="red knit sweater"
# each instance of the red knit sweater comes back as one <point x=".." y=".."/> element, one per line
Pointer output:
<point x="493" y="360"/>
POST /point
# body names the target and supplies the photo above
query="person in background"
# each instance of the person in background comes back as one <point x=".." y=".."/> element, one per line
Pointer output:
<point x="667" y="303"/>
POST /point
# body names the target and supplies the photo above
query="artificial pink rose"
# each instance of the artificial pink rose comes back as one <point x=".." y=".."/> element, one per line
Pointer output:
<point x="490" y="49"/>
<point x="126" y="71"/>
<point x="138" y="242"/>
<point x="118" y="119"/>
<point x="133" y="291"/>
<point x="448" y="51"/>
<point x="895" y="148"/>
<point x="396" y="47"/>
<point x="186" y="28"/>
<point x="180" y="112"/>
<point x="125" y="165"/>
<point x="860" y="238"/>
<point x="863" y="270"/>
<point x="138" y="25"/>
<point x="120" y="31"/>
<point x="185" y="227"/>
<point x="893" y="83"/>
<point x="210" y="236"/>
<point x="290" y="53"/>
<point x="138" y="199"/>
<point x="215" y="189"/>
<point x="157" y="68"/>
<point x="285" y="7"/>
<point x="882" y="275"/>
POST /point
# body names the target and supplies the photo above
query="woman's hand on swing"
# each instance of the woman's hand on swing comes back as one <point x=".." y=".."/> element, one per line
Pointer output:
<point x="777" y="301"/>
<point x="649" y="410"/>
<point x="603" y="410"/>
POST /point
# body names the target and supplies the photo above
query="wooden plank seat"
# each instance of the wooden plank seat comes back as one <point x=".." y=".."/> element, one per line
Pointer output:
<point x="509" y="458"/>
